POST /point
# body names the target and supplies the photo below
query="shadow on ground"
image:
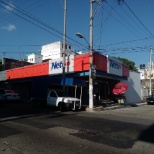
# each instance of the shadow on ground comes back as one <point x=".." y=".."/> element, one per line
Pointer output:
<point x="147" y="135"/>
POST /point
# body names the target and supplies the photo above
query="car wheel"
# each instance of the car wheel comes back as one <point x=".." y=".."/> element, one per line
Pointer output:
<point x="61" y="106"/>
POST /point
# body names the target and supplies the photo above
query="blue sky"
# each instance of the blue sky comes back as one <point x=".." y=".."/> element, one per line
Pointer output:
<point x="125" y="30"/>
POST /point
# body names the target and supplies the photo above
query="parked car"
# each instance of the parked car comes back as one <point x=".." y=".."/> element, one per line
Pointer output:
<point x="150" y="99"/>
<point x="12" y="96"/>
<point x="3" y="98"/>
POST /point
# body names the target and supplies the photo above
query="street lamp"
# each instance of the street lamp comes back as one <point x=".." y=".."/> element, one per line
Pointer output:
<point x="90" y="72"/>
<point x="81" y="36"/>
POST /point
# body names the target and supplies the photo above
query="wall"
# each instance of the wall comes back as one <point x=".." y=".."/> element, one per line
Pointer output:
<point x="81" y="63"/>
<point x="28" y="71"/>
<point x="133" y="94"/>
<point x="3" y="76"/>
<point x="100" y="61"/>
<point x="12" y="63"/>
<point x="35" y="58"/>
<point x="55" y="50"/>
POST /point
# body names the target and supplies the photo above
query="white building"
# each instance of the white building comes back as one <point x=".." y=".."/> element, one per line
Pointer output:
<point x="55" y="50"/>
<point x="133" y="94"/>
<point x="35" y="58"/>
<point x="50" y="51"/>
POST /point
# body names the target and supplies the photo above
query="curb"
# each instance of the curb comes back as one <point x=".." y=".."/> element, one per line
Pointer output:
<point x="139" y="104"/>
<point x="101" y="108"/>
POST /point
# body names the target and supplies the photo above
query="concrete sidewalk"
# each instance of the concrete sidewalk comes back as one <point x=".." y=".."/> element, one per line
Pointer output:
<point x="118" y="106"/>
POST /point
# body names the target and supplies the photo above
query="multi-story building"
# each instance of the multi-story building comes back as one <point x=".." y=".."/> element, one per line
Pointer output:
<point x="49" y="52"/>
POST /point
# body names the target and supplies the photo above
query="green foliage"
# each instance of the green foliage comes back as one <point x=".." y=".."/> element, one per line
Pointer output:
<point x="127" y="62"/>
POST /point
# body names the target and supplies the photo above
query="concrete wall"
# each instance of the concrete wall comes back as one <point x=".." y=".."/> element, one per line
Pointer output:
<point x="133" y="94"/>
<point x="3" y="76"/>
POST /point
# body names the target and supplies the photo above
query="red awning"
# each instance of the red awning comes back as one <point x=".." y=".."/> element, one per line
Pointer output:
<point x="120" y="88"/>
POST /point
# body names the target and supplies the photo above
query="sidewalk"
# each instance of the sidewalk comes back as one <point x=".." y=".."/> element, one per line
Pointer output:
<point x="118" y="106"/>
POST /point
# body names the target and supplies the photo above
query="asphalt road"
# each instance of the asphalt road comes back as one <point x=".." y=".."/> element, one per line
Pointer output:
<point x="24" y="130"/>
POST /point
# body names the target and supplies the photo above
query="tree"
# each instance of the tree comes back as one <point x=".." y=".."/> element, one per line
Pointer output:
<point x="127" y="62"/>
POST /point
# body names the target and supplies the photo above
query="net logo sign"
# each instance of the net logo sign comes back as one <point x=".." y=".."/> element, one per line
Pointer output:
<point x="114" y="64"/>
<point x="57" y="65"/>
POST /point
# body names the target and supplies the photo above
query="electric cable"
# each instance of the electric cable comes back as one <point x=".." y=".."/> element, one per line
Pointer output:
<point x="40" y="22"/>
<point x="138" y="19"/>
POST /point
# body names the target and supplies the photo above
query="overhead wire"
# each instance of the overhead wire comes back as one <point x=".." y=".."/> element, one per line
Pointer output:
<point x="132" y="19"/>
<point x="125" y="50"/>
<point x="30" y="21"/>
<point x="62" y="34"/>
<point x="138" y="19"/>
<point x="40" y="22"/>
<point x="102" y="24"/>
<point x="126" y="28"/>
<point x="129" y="41"/>
<point x="123" y="19"/>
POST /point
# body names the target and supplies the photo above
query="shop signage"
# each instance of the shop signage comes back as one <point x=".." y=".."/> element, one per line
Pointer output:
<point x="114" y="66"/>
<point x="56" y="65"/>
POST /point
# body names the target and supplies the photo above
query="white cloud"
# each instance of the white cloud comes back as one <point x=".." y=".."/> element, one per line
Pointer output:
<point x="9" y="27"/>
<point x="10" y="6"/>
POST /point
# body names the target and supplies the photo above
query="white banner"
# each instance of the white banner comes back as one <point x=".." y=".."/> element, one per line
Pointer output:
<point x="56" y="65"/>
<point x="114" y="66"/>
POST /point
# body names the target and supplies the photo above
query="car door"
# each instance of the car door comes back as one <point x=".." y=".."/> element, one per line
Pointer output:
<point x="52" y="98"/>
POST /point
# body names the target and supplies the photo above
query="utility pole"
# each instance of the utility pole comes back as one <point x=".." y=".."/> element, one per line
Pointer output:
<point x="64" y="47"/>
<point x="150" y="70"/>
<point x="91" y="58"/>
<point x="92" y="14"/>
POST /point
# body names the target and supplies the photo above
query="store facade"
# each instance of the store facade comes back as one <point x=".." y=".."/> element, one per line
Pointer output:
<point x="109" y="71"/>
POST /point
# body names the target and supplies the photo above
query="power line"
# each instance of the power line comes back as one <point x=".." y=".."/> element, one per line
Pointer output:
<point x="138" y="19"/>
<point x="123" y="19"/>
<point x="40" y="22"/>
<point x="134" y="21"/>
<point x="129" y="41"/>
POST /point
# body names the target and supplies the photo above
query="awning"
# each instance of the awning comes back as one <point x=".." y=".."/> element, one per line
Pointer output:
<point x="68" y="81"/>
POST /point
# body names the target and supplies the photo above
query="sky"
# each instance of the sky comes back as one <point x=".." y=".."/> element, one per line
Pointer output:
<point x="123" y="30"/>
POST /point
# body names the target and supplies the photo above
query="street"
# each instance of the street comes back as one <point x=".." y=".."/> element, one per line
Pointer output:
<point x="25" y="130"/>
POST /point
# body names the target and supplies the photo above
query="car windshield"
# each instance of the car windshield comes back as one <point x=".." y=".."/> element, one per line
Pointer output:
<point x="60" y="94"/>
